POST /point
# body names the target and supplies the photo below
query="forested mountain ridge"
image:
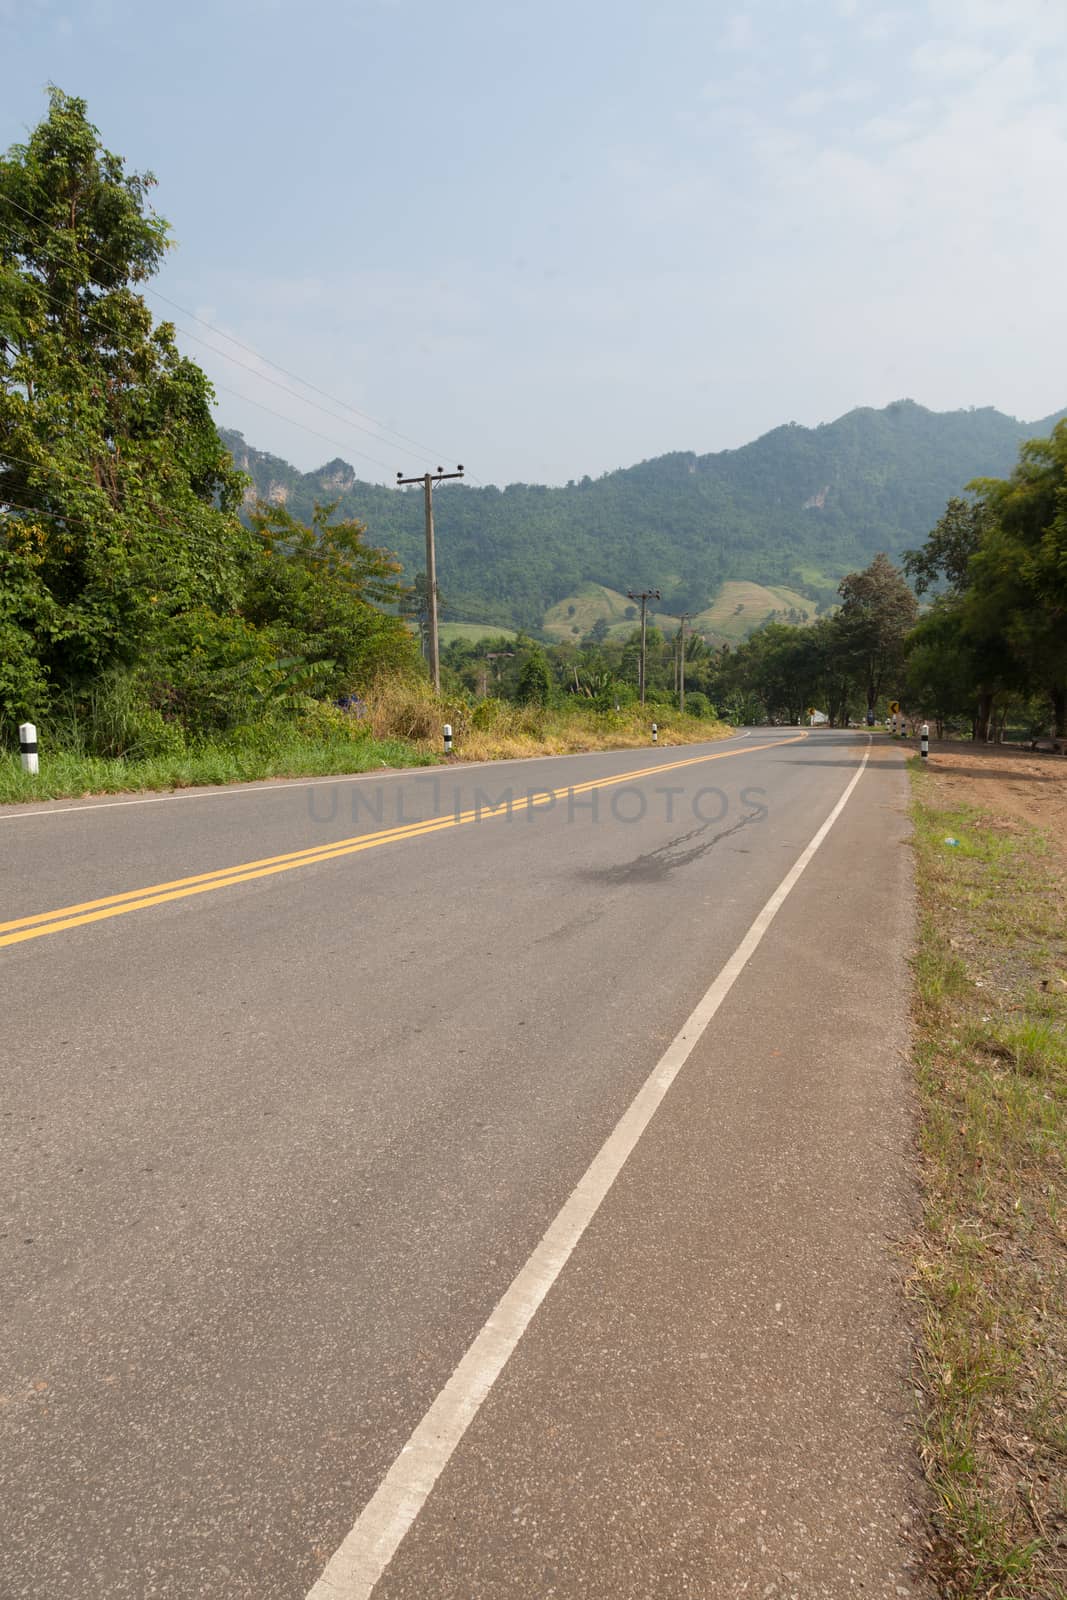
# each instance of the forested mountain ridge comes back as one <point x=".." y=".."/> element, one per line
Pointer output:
<point x="798" y="506"/>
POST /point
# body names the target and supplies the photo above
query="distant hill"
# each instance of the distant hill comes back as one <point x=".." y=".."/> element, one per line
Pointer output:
<point x="738" y="608"/>
<point x="574" y="615"/>
<point x="794" y="510"/>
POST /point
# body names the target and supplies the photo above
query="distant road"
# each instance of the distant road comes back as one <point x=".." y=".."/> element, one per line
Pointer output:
<point x="547" y="1117"/>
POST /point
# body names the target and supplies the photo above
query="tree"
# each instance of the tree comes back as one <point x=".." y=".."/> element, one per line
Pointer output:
<point x="946" y="555"/>
<point x="942" y="668"/>
<point x="1020" y="571"/>
<point x="317" y="587"/>
<point x="535" y="681"/>
<point x="878" y="610"/>
<point x="1003" y="557"/>
<point x="117" y="496"/>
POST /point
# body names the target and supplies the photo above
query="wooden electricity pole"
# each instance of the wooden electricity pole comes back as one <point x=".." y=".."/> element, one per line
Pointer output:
<point x="428" y="479"/>
<point x="644" y="596"/>
<point x="682" y="620"/>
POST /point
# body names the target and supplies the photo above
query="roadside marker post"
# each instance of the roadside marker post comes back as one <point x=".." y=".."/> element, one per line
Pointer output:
<point x="28" y="748"/>
<point x="655" y="733"/>
<point x="448" y="738"/>
<point x="924" y="741"/>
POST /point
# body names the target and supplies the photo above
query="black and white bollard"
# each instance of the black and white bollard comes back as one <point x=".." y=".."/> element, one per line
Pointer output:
<point x="28" y="748"/>
<point x="655" y="733"/>
<point x="448" y="738"/>
<point x="924" y="740"/>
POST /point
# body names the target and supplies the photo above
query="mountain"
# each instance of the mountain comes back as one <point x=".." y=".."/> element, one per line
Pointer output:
<point x="798" y="507"/>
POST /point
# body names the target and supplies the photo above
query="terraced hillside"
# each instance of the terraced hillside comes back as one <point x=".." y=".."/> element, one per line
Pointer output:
<point x="740" y="607"/>
<point x="575" y="616"/>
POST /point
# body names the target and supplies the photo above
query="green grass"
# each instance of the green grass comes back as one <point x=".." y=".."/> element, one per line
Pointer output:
<point x="989" y="1273"/>
<point x="65" y="775"/>
<point x="472" y="632"/>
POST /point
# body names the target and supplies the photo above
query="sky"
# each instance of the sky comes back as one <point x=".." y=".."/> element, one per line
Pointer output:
<point x="554" y="238"/>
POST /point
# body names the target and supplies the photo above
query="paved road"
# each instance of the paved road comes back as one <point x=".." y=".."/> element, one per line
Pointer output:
<point x="275" y="1142"/>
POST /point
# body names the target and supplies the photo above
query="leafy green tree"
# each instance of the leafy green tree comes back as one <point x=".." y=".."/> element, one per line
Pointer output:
<point x="317" y="588"/>
<point x="535" y="681"/>
<point x="1003" y="558"/>
<point x="1020" y="571"/>
<point x="117" y="492"/>
<point x="946" y="555"/>
<point x="969" y="629"/>
<point x="878" y="610"/>
<point x="941" y="668"/>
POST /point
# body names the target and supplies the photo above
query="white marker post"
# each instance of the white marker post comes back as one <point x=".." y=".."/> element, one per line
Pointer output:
<point x="28" y="748"/>
<point x="924" y="740"/>
<point x="448" y="738"/>
<point x="655" y="733"/>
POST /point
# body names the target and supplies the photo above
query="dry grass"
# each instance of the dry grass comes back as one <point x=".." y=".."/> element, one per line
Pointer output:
<point x="572" y="617"/>
<point x="401" y="727"/>
<point x="739" y="607"/>
<point x="493" y="730"/>
<point x="991" y="1014"/>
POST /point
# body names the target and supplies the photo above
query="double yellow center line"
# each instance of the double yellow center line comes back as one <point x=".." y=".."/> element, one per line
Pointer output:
<point x="118" y="905"/>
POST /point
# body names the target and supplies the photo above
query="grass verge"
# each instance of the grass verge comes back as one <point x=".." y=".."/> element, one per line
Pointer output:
<point x="65" y="774"/>
<point x="991" y="979"/>
<point x="400" y="727"/>
<point x="495" y="730"/>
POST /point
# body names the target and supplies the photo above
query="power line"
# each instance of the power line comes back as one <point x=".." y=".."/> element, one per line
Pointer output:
<point x="97" y="322"/>
<point x="383" y="428"/>
<point x="337" y="443"/>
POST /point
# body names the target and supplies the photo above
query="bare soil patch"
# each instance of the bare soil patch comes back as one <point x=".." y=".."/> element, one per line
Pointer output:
<point x="1015" y="789"/>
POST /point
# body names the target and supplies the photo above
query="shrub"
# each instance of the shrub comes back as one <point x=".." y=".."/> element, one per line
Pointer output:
<point x="114" y="717"/>
<point x="407" y="708"/>
<point x="490" y="714"/>
<point x="535" y="682"/>
<point x="330" y="724"/>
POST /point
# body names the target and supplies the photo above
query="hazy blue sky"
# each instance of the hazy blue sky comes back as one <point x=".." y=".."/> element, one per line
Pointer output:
<point x="554" y="238"/>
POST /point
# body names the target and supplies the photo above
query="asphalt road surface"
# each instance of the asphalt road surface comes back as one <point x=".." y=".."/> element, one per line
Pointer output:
<point x="402" y="1194"/>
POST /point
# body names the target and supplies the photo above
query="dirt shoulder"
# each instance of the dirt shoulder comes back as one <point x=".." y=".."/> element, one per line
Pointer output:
<point x="989" y="1272"/>
<point x="1013" y="787"/>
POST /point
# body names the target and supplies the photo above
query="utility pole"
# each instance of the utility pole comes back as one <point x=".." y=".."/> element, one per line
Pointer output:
<point x="644" y="596"/>
<point x="682" y="620"/>
<point x="428" y="479"/>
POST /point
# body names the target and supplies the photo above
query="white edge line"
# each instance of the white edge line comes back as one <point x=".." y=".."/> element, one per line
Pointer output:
<point x="225" y="791"/>
<point x="366" y="1552"/>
